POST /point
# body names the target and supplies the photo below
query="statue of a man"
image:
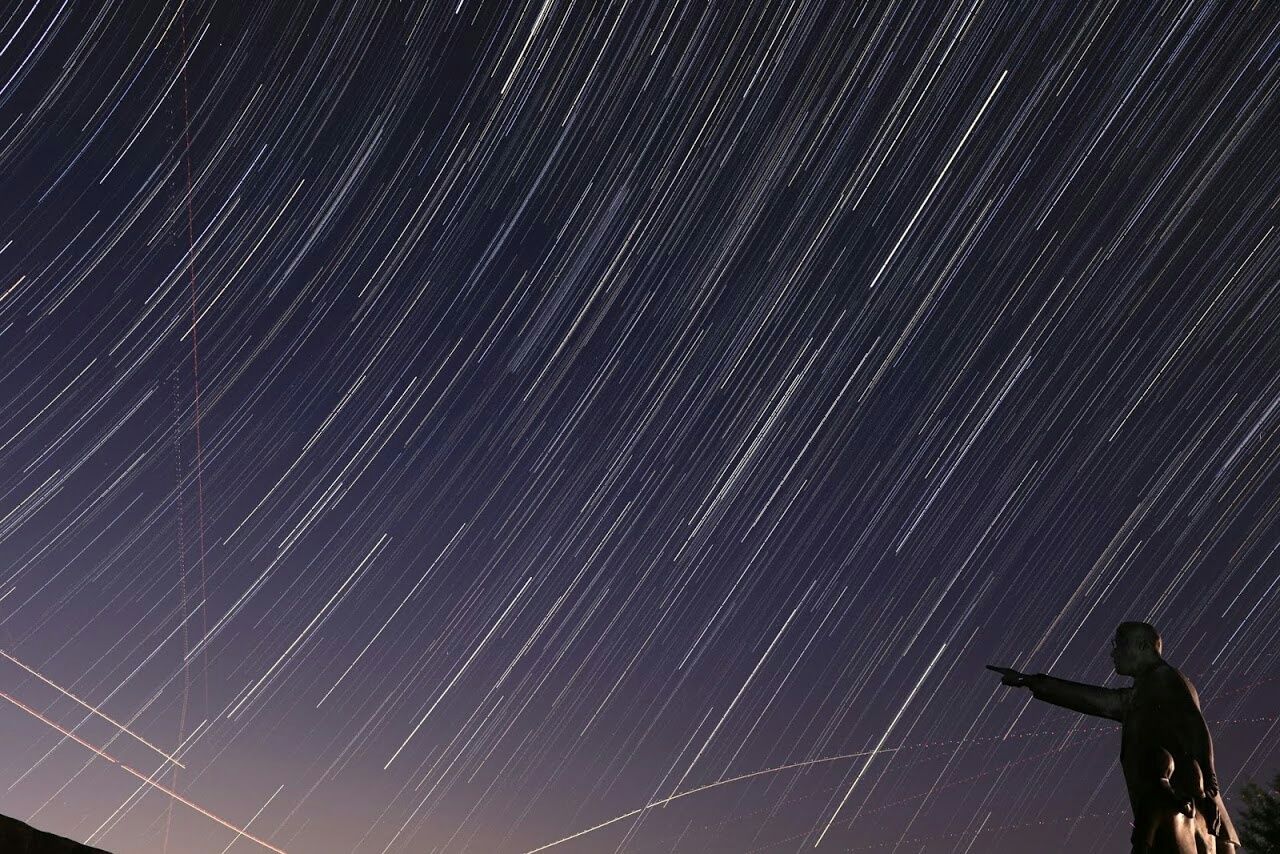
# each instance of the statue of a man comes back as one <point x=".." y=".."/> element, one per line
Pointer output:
<point x="1166" y="753"/>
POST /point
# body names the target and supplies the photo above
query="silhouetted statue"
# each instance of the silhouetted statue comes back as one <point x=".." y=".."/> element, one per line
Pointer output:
<point x="17" y="837"/>
<point x="1166" y="753"/>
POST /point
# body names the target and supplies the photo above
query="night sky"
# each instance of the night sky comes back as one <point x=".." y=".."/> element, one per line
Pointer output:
<point x="451" y="427"/>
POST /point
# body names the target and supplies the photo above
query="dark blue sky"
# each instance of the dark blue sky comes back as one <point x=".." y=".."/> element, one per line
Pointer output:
<point x="449" y="427"/>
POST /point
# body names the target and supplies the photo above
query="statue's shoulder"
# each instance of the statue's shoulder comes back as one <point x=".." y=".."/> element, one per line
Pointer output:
<point x="1171" y="679"/>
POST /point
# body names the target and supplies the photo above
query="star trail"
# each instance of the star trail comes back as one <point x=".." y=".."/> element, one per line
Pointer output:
<point x="620" y="426"/>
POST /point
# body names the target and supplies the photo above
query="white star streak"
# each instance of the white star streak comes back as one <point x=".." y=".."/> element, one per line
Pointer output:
<point x="403" y="602"/>
<point x="942" y="174"/>
<point x="880" y="743"/>
<point x="461" y="670"/>
<point x="738" y="696"/>
<point x="320" y="614"/>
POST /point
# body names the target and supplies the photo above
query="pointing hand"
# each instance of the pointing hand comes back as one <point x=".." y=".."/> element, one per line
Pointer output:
<point x="1009" y="676"/>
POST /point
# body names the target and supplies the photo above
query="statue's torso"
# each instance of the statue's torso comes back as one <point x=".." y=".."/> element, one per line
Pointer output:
<point x="1146" y="729"/>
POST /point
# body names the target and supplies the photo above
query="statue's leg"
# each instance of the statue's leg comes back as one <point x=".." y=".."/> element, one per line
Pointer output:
<point x="1205" y="841"/>
<point x="1175" y="833"/>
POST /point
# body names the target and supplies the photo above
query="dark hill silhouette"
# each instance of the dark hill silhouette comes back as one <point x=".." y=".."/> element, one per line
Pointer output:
<point x="18" y="837"/>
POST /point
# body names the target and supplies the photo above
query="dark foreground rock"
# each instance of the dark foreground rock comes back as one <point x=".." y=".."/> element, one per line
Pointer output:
<point x="17" y="837"/>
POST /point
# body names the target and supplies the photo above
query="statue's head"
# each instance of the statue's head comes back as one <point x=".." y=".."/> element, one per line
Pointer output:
<point x="1136" y="648"/>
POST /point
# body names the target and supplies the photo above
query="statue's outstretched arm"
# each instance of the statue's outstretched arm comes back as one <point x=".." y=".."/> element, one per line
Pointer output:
<point x="1079" y="697"/>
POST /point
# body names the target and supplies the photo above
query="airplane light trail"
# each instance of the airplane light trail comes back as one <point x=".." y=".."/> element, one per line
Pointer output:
<point x="144" y="778"/>
<point x="91" y="708"/>
<point x="703" y="788"/>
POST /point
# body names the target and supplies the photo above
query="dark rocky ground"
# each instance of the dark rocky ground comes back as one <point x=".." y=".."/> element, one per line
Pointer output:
<point x="17" y="837"/>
